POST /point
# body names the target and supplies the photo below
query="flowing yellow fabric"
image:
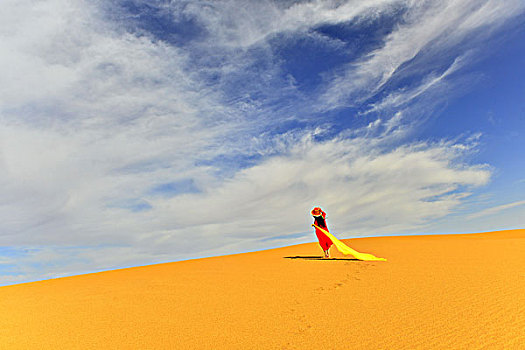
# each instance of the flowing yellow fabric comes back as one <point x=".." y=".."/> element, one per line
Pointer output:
<point x="343" y="248"/>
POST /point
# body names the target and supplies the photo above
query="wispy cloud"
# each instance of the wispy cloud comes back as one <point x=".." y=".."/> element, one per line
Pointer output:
<point x="495" y="210"/>
<point x="427" y="27"/>
<point x="400" y="98"/>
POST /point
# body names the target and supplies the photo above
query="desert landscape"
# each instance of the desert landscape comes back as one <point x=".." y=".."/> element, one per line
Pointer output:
<point x="162" y="162"/>
<point x="461" y="291"/>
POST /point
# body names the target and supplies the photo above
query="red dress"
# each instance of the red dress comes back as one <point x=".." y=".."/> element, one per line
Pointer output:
<point x="324" y="241"/>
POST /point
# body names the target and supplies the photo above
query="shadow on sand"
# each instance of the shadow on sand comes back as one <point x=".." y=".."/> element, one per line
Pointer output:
<point x="318" y="258"/>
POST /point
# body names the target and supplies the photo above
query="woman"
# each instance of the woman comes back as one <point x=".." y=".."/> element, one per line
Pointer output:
<point x="320" y="220"/>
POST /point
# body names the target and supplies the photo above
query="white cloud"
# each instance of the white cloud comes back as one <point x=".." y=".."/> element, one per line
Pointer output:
<point x="495" y="210"/>
<point x="399" y="98"/>
<point x="128" y="117"/>
<point x="241" y="24"/>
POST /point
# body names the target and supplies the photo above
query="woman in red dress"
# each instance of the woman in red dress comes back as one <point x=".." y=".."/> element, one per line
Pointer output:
<point x="320" y="220"/>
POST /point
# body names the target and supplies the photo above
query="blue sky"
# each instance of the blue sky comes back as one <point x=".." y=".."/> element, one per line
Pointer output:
<point x="137" y="132"/>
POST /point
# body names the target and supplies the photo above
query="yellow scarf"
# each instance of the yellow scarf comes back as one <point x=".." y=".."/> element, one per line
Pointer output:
<point x="343" y="248"/>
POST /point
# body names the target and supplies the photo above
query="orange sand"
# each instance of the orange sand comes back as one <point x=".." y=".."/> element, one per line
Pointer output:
<point x="435" y="292"/>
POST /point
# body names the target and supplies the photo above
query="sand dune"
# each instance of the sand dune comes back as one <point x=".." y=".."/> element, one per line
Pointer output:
<point x="435" y="292"/>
